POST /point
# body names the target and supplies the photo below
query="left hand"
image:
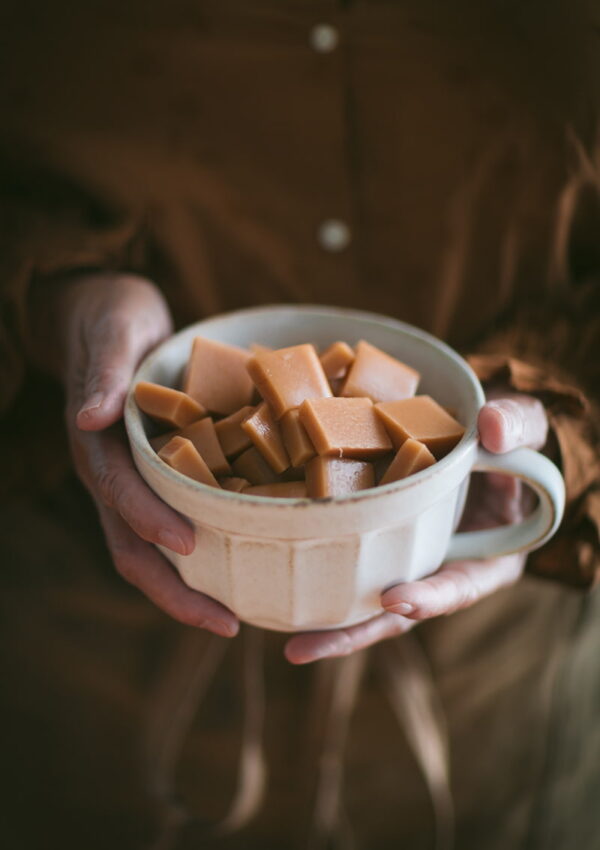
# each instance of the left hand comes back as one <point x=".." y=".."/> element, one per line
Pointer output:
<point x="504" y="424"/>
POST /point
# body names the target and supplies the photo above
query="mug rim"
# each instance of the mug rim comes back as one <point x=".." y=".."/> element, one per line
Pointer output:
<point x="139" y="438"/>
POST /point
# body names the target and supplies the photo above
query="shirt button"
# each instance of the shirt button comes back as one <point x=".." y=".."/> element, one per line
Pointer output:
<point x="323" y="38"/>
<point x="334" y="235"/>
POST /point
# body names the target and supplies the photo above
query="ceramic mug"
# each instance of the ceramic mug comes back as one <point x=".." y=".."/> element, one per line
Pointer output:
<point x="294" y="565"/>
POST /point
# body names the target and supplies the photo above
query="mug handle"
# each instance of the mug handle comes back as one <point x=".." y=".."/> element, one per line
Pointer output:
<point x="544" y="478"/>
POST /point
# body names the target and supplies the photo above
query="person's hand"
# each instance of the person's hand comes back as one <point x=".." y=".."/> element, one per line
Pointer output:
<point x="106" y="324"/>
<point x="504" y="424"/>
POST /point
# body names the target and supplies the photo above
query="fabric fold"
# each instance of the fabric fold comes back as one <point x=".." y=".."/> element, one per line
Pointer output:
<point x="573" y="555"/>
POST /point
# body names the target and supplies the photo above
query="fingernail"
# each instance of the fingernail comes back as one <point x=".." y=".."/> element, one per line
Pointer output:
<point x="403" y="608"/>
<point x="92" y="403"/>
<point x="220" y="628"/>
<point x="172" y="541"/>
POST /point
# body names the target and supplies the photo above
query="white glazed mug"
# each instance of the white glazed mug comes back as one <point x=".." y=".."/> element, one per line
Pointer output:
<point x="294" y="565"/>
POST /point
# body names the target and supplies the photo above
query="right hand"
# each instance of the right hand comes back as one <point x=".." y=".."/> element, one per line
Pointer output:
<point x="109" y="322"/>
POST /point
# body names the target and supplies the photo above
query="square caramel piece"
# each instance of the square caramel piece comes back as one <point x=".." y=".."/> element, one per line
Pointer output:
<point x="168" y="406"/>
<point x="344" y="427"/>
<point x="264" y="432"/>
<point x="287" y="376"/>
<point x="233" y="484"/>
<point x="336" y="359"/>
<point x="216" y="376"/>
<point x="252" y="466"/>
<point x="295" y="439"/>
<point x="182" y="455"/>
<point x="332" y="476"/>
<point x="162" y="439"/>
<point x="204" y="437"/>
<point x="232" y="436"/>
<point x="423" y="419"/>
<point x="411" y="457"/>
<point x="378" y="376"/>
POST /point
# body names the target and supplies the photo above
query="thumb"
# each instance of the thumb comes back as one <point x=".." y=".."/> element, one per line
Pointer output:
<point x="112" y="356"/>
<point x="116" y="333"/>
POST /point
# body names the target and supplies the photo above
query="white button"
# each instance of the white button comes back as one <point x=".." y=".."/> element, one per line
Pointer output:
<point x="323" y="38"/>
<point x="334" y="235"/>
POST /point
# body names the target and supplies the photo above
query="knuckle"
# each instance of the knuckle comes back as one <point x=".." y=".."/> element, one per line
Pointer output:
<point x="347" y="643"/>
<point x="106" y="377"/>
<point x="435" y="601"/>
<point x="516" y="419"/>
<point x="467" y="592"/>
<point x="109" y="486"/>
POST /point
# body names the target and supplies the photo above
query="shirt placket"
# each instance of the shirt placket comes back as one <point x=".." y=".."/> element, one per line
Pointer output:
<point x="330" y="237"/>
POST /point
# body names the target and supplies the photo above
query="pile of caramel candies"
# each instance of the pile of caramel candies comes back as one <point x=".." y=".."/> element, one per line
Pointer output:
<point x="291" y="423"/>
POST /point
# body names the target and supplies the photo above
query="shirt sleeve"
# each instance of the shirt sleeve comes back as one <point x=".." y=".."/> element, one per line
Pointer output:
<point x="553" y="354"/>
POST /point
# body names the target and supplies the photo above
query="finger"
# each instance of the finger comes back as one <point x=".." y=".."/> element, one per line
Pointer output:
<point x="115" y="481"/>
<point x="114" y="340"/>
<point x="507" y="486"/>
<point x="492" y="500"/>
<point x="113" y="354"/>
<point x="145" y="568"/>
<point x="456" y="585"/>
<point x="311" y="646"/>
<point x="513" y="421"/>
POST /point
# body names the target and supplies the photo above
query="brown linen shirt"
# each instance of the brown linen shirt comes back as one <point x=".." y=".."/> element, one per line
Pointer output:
<point x="435" y="162"/>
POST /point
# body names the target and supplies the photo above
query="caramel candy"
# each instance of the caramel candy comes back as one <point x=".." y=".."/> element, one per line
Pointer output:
<point x="252" y="465"/>
<point x="329" y="476"/>
<point x="336" y="359"/>
<point x="182" y="455"/>
<point x="381" y="465"/>
<point x="263" y="430"/>
<point x="295" y="439"/>
<point x="294" y="473"/>
<point x="281" y="490"/>
<point x="423" y="419"/>
<point x="257" y="348"/>
<point x="217" y="377"/>
<point x="235" y="485"/>
<point x="412" y="456"/>
<point x="232" y="437"/>
<point x="204" y="437"/>
<point x="286" y="377"/>
<point x="162" y="439"/>
<point x="378" y="376"/>
<point x="167" y="405"/>
<point x="345" y="427"/>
